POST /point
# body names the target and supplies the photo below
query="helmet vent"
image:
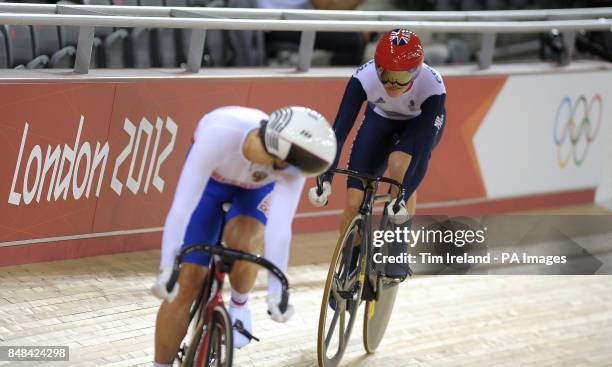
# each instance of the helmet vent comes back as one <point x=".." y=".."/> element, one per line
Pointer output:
<point x="301" y="137"/>
<point x="276" y="124"/>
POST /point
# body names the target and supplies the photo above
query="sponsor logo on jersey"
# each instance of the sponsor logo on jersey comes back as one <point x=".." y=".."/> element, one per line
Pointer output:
<point x="439" y="122"/>
<point x="264" y="205"/>
<point x="412" y="105"/>
<point x="380" y="100"/>
<point x="259" y="176"/>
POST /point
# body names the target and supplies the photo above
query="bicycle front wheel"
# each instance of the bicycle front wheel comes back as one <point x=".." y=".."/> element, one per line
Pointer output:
<point x="213" y="346"/>
<point x="342" y="296"/>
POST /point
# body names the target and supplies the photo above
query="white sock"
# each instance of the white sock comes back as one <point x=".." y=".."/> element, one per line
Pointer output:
<point x="239" y="299"/>
<point x="155" y="364"/>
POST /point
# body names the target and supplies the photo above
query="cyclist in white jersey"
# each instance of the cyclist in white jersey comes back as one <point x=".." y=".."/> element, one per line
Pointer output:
<point x="258" y="163"/>
<point x="404" y="120"/>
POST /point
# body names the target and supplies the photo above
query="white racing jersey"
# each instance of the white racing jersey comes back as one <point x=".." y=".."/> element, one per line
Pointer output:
<point x="217" y="152"/>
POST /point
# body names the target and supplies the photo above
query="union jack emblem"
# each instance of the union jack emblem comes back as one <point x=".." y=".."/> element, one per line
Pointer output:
<point x="399" y="37"/>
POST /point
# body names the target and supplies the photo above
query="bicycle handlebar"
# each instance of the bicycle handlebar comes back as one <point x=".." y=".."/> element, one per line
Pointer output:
<point x="366" y="178"/>
<point x="233" y="255"/>
<point x="319" y="185"/>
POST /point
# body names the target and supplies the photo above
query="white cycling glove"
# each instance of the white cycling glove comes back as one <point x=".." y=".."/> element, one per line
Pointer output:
<point x="399" y="217"/>
<point x="319" y="200"/>
<point x="274" y="300"/>
<point x="159" y="289"/>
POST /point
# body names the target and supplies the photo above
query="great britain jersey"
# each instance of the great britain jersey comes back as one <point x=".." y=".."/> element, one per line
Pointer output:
<point x="420" y="109"/>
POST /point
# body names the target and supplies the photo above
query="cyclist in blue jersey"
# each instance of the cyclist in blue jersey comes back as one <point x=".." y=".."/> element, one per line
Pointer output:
<point x="404" y="120"/>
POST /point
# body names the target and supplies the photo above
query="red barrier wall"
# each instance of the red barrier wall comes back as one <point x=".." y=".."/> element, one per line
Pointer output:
<point x="87" y="166"/>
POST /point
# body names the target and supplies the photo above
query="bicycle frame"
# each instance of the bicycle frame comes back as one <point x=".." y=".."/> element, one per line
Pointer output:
<point x="222" y="262"/>
<point x="370" y="184"/>
<point x="217" y="279"/>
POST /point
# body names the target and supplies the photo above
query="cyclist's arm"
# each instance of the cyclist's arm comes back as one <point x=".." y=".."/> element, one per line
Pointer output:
<point x="353" y="98"/>
<point x="203" y="156"/>
<point x="426" y="136"/>
<point x="285" y="199"/>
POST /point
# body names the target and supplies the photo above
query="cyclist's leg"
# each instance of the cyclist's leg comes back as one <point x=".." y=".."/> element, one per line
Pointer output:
<point x="399" y="163"/>
<point x="203" y="227"/>
<point x="245" y="231"/>
<point x="246" y="234"/>
<point x="369" y="152"/>
<point x="401" y="157"/>
<point x="374" y="140"/>
<point x="173" y="317"/>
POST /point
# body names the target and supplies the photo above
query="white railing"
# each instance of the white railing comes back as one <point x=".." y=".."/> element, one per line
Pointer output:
<point x="294" y="14"/>
<point x="488" y="23"/>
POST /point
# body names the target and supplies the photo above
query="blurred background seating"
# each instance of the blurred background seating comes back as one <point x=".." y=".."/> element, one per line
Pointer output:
<point x="54" y="47"/>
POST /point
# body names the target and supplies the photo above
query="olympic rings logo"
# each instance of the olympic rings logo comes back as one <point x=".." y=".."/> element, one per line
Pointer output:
<point x="576" y="127"/>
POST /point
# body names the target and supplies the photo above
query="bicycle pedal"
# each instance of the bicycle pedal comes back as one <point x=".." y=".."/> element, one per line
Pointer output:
<point x="239" y="326"/>
<point x="349" y="293"/>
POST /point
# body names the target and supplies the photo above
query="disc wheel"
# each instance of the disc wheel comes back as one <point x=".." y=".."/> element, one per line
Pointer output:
<point x="378" y="311"/>
<point x="377" y="315"/>
<point x="341" y="296"/>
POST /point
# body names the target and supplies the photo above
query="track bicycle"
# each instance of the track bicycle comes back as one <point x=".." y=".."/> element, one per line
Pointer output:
<point x="353" y="277"/>
<point x="211" y="344"/>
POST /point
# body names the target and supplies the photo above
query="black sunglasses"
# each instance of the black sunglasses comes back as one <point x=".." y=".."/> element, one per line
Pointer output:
<point x="395" y="82"/>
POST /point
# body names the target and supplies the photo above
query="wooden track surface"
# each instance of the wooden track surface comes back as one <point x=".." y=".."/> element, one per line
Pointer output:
<point x="102" y="308"/>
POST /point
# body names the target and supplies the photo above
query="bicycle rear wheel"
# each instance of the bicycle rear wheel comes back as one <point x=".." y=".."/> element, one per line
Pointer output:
<point x="377" y="315"/>
<point x="342" y="296"/>
<point x="212" y="344"/>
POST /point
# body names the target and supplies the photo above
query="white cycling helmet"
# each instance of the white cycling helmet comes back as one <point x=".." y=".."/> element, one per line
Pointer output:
<point x="301" y="137"/>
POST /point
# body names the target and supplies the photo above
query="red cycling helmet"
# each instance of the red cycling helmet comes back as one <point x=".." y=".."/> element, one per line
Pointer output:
<point x="399" y="50"/>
